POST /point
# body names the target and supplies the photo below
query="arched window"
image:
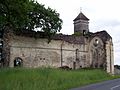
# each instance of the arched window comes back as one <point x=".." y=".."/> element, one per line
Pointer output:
<point x="96" y="42"/>
<point x="77" y="51"/>
<point x="18" y="62"/>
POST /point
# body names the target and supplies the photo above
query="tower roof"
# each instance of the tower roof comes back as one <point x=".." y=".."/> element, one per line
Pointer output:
<point x="81" y="16"/>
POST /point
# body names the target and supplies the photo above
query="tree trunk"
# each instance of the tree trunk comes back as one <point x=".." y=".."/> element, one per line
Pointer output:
<point x="6" y="46"/>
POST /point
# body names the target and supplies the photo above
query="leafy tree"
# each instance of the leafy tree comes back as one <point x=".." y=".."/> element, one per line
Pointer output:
<point x="28" y="15"/>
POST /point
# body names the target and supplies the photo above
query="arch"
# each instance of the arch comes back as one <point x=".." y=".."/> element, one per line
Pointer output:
<point x="76" y="54"/>
<point x="96" y="52"/>
<point x="18" y="62"/>
<point x="84" y="32"/>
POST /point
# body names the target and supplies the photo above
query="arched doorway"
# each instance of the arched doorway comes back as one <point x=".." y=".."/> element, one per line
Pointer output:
<point x="18" y="62"/>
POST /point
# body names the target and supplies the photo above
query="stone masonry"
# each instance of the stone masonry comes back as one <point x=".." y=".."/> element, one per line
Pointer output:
<point x="84" y="50"/>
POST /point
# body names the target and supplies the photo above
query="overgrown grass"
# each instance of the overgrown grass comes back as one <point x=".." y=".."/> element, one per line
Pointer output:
<point x="48" y="79"/>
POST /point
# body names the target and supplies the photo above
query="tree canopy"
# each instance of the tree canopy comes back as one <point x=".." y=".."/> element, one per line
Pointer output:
<point x="29" y="15"/>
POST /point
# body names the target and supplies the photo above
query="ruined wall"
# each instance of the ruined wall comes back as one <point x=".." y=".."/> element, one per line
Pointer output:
<point x="97" y="53"/>
<point x="57" y="53"/>
<point x="75" y="56"/>
<point x="34" y="52"/>
<point x="110" y="57"/>
<point x="101" y="54"/>
<point x="37" y="52"/>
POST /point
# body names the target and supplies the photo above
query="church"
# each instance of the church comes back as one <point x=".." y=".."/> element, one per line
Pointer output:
<point x="82" y="49"/>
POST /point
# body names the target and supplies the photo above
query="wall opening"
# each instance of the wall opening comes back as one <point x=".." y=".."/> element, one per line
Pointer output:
<point x="74" y="65"/>
<point x="84" y="32"/>
<point x="18" y="62"/>
<point x="96" y="42"/>
<point x="76" y="53"/>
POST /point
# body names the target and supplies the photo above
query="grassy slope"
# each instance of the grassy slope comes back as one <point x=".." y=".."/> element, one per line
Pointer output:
<point x="48" y="79"/>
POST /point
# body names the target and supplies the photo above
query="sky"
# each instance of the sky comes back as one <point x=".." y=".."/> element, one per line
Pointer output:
<point x="103" y="15"/>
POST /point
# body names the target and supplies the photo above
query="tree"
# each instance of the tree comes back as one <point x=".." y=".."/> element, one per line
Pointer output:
<point x="26" y="15"/>
<point x="29" y="15"/>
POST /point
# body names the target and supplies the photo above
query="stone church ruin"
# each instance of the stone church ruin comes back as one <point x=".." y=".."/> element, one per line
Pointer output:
<point x="83" y="49"/>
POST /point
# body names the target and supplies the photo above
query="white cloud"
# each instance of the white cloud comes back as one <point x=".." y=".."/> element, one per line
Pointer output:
<point x="103" y="15"/>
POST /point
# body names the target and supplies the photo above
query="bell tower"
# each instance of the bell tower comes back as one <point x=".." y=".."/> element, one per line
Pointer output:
<point x="81" y="24"/>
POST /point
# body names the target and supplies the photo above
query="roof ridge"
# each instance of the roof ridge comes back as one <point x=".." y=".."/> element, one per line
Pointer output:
<point x="81" y="16"/>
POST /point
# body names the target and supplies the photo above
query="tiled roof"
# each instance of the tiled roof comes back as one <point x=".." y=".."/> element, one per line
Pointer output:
<point x="81" y="16"/>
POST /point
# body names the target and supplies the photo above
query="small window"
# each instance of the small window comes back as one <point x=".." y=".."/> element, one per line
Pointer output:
<point x="80" y="66"/>
<point x="77" y="51"/>
<point x="18" y="62"/>
<point x="96" y="42"/>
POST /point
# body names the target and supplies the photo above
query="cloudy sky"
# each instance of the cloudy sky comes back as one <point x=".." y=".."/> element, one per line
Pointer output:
<point x="103" y="15"/>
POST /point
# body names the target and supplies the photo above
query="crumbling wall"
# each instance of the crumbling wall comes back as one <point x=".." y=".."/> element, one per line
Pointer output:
<point x="38" y="52"/>
<point x="97" y="53"/>
<point x="110" y="56"/>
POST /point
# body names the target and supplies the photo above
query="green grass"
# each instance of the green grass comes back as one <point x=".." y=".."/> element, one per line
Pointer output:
<point x="48" y="79"/>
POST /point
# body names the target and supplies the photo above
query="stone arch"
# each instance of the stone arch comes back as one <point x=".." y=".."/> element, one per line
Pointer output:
<point x="97" y="53"/>
<point x="18" y="62"/>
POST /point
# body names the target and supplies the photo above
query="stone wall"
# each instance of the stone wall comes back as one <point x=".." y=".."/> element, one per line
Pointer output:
<point x="97" y="53"/>
<point x="38" y="52"/>
<point x="110" y="57"/>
